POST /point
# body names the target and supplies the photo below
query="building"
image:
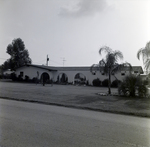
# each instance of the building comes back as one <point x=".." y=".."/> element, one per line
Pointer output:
<point x="70" y="75"/>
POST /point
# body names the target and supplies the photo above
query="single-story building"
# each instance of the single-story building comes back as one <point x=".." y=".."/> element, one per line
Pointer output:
<point x="70" y="74"/>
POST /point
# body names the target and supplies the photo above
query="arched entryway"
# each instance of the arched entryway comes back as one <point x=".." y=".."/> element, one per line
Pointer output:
<point x="62" y="78"/>
<point x="45" y="77"/>
<point x="80" y="79"/>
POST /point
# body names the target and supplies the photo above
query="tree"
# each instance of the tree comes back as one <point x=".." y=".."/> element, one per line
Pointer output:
<point x="6" y="65"/>
<point x="19" y="55"/>
<point x="145" y="53"/>
<point x="109" y="65"/>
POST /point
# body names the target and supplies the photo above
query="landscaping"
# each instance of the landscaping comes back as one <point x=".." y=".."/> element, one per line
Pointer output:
<point x="84" y="97"/>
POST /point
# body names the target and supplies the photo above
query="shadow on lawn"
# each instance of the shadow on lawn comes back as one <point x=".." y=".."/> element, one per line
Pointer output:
<point x="84" y="99"/>
<point x="139" y="104"/>
<point x="136" y="103"/>
<point x="90" y="99"/>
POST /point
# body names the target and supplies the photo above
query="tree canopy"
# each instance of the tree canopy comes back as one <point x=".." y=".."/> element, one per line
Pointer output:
<point x="19" y="55"/>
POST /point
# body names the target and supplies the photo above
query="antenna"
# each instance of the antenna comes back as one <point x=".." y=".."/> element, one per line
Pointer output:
<point x="47" y="59"/>
<point x="63" y="61"/>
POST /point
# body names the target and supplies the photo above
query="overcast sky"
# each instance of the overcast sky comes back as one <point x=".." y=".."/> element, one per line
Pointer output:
<point x="74" y="30"/>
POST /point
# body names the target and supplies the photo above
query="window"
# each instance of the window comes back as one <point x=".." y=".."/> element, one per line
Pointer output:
<point x="122" y="74"/>
<point x="94" y="72"/>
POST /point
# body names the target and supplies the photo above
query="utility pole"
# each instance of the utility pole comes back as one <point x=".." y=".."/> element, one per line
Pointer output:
<point x="63" y="61"/>
<point x="47" y="61"/>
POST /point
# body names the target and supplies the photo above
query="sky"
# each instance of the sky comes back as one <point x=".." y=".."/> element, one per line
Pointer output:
<point x="71" y="32"/>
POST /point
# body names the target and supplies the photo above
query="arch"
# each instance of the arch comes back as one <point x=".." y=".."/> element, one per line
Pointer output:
<point x="62" y="78"/>
<point x="44" y="77"/>
<point x="80" y="79"/>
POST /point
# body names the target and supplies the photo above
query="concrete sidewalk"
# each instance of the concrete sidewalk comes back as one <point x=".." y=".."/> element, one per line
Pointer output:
<point x="82" y="97"/>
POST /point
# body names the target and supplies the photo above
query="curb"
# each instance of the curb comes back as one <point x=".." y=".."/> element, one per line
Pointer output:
<point x="80" y="107"/>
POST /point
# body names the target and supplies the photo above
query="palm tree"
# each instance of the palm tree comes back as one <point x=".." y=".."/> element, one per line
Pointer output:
<point x="109" y="65"/>
<point x="145" y="53"/>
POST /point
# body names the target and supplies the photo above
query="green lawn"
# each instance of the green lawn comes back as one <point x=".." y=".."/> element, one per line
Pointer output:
<point x="75" y="96"/>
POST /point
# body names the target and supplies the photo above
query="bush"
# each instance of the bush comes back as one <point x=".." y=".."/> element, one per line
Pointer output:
<point x="105" y="83"/>
<point x="96" y="82"/>
<point x="26" y="78"/>
<point x="146" y="82"/>
<point x="13" y="77"/>
<point x="1" y="76"/>
<point x="34" y="80"/>
<point x="20" y="78"/>
<point x="115" y="83"/>
<point x="132" y="86"/>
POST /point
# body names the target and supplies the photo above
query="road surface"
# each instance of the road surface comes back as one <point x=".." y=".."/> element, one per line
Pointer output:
<point x="24" y="124"/>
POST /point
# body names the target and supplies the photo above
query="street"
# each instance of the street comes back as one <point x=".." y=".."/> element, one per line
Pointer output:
<point x="24" y="124"/>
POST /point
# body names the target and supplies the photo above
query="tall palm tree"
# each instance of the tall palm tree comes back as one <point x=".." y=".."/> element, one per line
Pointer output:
<point x="109" y="65"/>
<point x="145" y="53"/>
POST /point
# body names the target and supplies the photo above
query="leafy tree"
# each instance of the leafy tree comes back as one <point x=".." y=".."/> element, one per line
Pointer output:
<point x="109" y="65"/>
<point x="145" y="53"/>
<point x="19" y="55"/>
<point x="131" y="85"/>
<point x="5" y="65"/>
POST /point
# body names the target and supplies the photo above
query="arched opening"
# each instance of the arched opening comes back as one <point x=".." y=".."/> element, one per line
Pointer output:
<point x="45" y="77"/>
<point x="80" y="79"/>
<point x="62" y="78"/>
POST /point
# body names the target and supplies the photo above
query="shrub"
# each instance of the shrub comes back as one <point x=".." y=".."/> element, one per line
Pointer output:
<point x="115" y="83"/>
<point x="13" y="77"/>
<point x="105" y="83"/>
<point x="20" y="78"/>
<point x="96" y="82"/>
<point x="26" y="78"/>
<point x="1" y="76"/>
<point x="34" y="79"/>
<point x="146" y="82"/>
<point x="132" y="86"/>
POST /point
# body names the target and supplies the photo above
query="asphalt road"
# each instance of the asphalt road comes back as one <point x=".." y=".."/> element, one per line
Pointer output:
<point x="24" y="124"/>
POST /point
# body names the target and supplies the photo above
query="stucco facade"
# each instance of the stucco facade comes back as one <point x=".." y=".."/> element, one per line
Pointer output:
<point x="70" y="74"/>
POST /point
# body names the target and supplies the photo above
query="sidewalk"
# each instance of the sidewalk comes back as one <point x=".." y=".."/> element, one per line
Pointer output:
<point x="82" y="97"/>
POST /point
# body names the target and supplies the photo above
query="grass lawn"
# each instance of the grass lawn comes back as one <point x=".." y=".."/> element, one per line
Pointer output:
<point x="75" y="96"/>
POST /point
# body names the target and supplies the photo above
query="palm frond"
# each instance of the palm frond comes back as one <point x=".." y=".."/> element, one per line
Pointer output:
<point x="144" y="52"/>
<point x="124" y="66"/>
<point x="147" y="64"/>
<point x="103" y="66"/>
<point x="94" y="68"/>
<point x="141" y="52"/>
<point x="102" y="63"/>
<point x="105" y="49"/>
<point x="118" y="55"/>
<point x="115" y="68"/>
<point x="127" y="66"/>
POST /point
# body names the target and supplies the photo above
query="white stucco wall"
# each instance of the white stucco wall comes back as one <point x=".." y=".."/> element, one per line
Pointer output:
<point x="31" y="71"/>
